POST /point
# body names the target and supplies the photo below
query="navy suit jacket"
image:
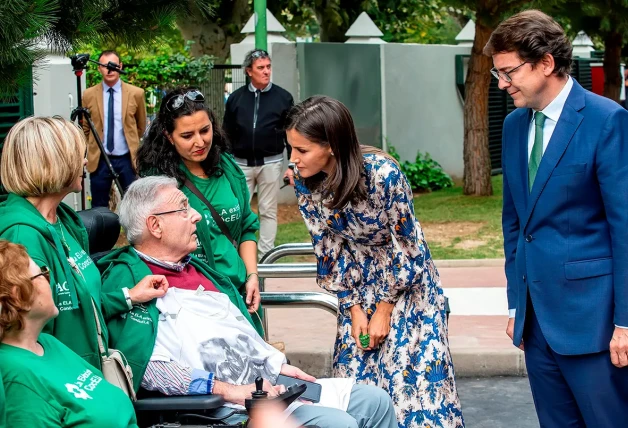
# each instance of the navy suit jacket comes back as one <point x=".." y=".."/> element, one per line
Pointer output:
<point x="566" y="241"/>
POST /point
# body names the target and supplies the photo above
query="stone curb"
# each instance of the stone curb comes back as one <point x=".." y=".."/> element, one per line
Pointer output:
<point x="467" y="362"/>
<point x="468" y="263"/>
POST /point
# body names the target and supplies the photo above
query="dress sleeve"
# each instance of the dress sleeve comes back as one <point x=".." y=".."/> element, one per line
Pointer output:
<point x="407" y="252"/>
<point x="337" y="271"/>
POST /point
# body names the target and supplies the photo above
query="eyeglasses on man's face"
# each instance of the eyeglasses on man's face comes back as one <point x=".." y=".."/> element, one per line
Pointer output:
<point x="185" y="210"/>
<point x="45" y="272"/>
<point x="176" y="102"/>
<point x="505" y="76"/>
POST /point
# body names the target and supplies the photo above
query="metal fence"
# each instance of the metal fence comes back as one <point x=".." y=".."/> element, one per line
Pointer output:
<point x="223" y="79"/>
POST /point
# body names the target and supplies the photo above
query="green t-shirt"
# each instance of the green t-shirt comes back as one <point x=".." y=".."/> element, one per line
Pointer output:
<point x="2" y="418"/>
<point x="59" y="389"/>
<point x="218" y="192"/>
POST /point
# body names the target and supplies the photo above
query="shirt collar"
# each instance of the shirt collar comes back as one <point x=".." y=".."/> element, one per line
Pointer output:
<point x="266" y="89"/>
<point x="555" y="108"/>
<point x="116" y="88"/>
<point x="177" y="267"/>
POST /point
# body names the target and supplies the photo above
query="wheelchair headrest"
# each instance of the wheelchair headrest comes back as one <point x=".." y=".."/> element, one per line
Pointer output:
<point x="103" y="228"/>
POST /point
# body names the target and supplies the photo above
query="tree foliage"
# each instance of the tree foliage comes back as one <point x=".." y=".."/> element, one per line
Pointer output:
<point x="29" y="28"/>
<point x="605" y="20"/>
<point x="162" y="65"/>
<point x="416" y="21"/>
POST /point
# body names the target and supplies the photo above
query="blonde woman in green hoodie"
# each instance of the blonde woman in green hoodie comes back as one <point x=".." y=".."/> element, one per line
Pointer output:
<point x="42" y="162"/>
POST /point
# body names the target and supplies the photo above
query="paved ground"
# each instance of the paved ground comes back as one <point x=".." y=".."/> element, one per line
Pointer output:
<point x="477" y="297"/>
<point x="497" y="403"/>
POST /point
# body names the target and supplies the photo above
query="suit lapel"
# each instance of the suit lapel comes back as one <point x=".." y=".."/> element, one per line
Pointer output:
<point x="125" y="100"/>
<point x="524" y="127"/>
<point x="101" y="107"/>
<point x="566" y="127"/>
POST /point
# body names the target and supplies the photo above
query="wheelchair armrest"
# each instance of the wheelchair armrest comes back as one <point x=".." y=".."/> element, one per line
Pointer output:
<point x="179" y="403"/>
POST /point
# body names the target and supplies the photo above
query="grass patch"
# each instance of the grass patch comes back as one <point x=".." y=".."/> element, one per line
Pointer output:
<point x="455" y="226"/>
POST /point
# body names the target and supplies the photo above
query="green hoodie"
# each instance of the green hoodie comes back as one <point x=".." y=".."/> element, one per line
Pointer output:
<point x="134" y="333"/>
<point x="75" y="326"/>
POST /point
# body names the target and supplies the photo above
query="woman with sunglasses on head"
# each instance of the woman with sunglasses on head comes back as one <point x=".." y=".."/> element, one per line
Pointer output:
<point x="46" y="384"/>
<point x="43" y="159"/>
<point x="185" y="142"/>
<point x="371" y="252"/>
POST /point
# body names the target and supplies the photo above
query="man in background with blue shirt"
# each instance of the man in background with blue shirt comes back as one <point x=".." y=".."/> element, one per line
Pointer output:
<point x="118" y="111"/>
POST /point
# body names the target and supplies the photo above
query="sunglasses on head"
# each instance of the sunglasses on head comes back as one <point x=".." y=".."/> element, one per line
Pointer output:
<point x="259" y="53"/>
<point x="177" y="101"/>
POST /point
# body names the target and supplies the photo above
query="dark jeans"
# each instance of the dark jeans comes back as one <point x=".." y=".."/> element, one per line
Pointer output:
<point x="101" y="179"/>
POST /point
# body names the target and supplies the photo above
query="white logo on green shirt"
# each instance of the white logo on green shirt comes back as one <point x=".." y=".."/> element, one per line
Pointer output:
<point x="77" y="391"/>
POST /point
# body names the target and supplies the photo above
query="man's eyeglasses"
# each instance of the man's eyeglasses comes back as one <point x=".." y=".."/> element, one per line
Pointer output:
<point x="180" y="210"/>
<point x="45" y="272"/>
<point x="176" y="102"/>
<point x="506" y="75"/>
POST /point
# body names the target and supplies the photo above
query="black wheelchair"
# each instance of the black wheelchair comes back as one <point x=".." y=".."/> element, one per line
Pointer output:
<point x="159" y="411"/>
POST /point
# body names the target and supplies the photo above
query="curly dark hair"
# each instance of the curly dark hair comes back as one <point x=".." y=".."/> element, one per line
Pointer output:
<point x="157" y="156"/>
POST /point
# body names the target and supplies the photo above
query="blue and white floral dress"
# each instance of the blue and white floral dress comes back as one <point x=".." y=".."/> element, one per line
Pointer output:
<point x="375" y="251"/>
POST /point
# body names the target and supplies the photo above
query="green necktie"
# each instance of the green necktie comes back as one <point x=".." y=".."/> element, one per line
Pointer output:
<point x="537" y="148"/>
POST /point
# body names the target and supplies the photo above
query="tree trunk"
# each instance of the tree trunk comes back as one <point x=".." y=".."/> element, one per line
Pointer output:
<point x="477" y="162"/>
<point x="612" y="58"/>
<point x="215" y="36"/>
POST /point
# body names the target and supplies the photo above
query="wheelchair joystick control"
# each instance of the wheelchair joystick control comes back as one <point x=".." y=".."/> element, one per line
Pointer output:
<point x="259" y="393"/>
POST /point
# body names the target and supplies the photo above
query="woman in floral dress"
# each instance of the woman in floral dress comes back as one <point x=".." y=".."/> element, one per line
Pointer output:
<point x="372" y="254"/>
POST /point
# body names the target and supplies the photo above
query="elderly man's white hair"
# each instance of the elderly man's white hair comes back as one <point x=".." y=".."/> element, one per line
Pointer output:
<point x="141" y="199"/>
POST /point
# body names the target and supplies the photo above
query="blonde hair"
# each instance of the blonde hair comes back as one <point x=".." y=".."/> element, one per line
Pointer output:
<point x="42" y="155"/>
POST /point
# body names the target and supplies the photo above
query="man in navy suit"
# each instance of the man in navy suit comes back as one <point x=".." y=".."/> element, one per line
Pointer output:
<point x="565" y="225"/>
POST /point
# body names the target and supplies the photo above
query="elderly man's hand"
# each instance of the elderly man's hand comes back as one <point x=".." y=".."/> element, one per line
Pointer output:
<point x="149" y="288"/>
<point x="253" y="298"/>
<point x="237" y="394"/>
<point x="619" y="347"/>
<point x="292" y="371"/>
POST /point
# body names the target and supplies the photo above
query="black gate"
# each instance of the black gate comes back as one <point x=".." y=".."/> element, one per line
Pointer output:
<point x="222" y="80"/>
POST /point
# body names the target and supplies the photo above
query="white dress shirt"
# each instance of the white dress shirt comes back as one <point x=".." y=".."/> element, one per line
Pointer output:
<point x="120" y="146"/>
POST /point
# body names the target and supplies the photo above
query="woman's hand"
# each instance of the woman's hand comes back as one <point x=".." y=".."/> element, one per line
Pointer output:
<point x="149" y="288"/>
<point x="379" y="326"/>
<point x="359" y="325"/>
<point x="289" y="174"/>
<point x="253" y="297"/>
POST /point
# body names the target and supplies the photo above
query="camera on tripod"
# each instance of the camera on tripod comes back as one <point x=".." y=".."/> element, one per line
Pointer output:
<point x="79" y="61"/>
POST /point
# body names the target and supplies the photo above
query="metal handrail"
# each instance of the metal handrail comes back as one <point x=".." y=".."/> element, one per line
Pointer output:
<point x="285" y="250"/>
<point x="300" y="299"/>
<point x="286" y="270"/>
<point x="267" y="269"/>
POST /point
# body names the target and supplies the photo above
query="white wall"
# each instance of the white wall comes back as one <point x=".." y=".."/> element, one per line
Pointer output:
<point x="423" y="110"/>
<point x="55" y="94"/>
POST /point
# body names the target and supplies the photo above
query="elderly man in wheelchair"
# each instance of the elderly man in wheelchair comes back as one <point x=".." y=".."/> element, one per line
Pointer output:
<point x="199" y="338"/>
